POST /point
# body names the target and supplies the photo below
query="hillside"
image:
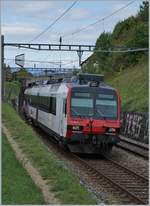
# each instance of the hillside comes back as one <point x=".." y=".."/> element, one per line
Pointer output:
<point x="132" y="85"/>
<point x="128" y="72"/>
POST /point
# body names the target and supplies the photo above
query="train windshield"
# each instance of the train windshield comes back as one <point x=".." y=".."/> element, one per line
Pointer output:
<point x="106" y="106"/>
<point x="98" y="106"/>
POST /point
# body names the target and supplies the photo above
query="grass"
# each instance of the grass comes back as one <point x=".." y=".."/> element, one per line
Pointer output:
<point x="63" y="183"/>
<point x="12" y="89"/>
<point x="132" y="85"/>
<point x="17" y="185"/>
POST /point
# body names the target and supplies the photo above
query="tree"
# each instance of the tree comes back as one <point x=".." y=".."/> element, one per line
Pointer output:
<point x="144" y="11"/>
<point x="131" y="33"/>
<point x="23" y="73"/>
<point x="104" y="42"/>
<point x="8" y="73"/>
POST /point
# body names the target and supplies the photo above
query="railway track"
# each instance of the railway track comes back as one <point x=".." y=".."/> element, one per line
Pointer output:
<point x="129" y="186"/>
<point x="134" y="147"/>
<point x="125" y="185"/>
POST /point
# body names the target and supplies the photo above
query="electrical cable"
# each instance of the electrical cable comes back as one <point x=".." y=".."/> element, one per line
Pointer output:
<point x="36" y="61"/>
<point x="99" y="20"/>
<point x="123" y="51"/>
<point x="54" y="22"/>
<point x="51" y="62"/>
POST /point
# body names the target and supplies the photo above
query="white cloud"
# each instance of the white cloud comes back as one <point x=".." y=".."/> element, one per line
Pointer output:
<point x="88" y="37"/>
<point x="20" y="29"/>
<point x="78" y="14"/>
<point x="32" y="6"/>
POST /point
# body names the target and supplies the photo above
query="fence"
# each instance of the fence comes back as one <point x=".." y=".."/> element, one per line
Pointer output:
<point x="135" y="126"/>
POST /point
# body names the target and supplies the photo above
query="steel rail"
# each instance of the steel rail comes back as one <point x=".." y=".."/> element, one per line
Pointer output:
<point x="134" y="148"/>
<point x="127" y="169"/>
<point x="130" y="194"/>
<point x="132" y="197"/>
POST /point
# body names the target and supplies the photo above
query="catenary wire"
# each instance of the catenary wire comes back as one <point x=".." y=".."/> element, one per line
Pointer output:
<point x="122" y="51"/>
<point x="99" y="20"/>
<point x="54" y="22"/>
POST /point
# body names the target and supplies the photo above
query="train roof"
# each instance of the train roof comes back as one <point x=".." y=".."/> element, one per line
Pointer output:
<point x="104" y="86"/>
<point x="81" y="81"/>
<point x="56" y="88"/>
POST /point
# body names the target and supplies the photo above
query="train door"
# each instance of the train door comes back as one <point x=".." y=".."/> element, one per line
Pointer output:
<point x="37" y="107"/>
<point x="62" y="116"/>
<point x="59" y="114"/>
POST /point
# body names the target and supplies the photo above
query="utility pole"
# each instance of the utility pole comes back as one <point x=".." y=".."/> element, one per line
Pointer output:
<point x="60" y="40"/>
<point x="80" y="53"/>
<point x="2" y="69"/>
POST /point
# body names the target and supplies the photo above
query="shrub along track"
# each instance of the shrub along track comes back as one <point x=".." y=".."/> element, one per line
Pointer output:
<point x="125" y="185"/>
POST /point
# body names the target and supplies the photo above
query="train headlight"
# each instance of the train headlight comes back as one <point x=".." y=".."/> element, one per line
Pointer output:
<point x="111" y="130"/>
<point x="76" y="128"/>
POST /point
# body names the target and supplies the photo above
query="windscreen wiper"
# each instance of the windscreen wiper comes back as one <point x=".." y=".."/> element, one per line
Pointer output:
<point x="101" y="114"/>
<point x="74" y="111"/>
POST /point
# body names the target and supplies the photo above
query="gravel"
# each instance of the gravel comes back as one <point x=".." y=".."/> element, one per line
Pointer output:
<point x="103" y="195"/>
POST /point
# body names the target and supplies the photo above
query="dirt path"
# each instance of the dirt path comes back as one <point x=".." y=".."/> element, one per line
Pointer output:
<point x="32" y="171"/>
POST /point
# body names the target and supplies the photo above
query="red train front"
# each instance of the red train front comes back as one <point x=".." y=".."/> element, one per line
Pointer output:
<point x="93" y="116"/>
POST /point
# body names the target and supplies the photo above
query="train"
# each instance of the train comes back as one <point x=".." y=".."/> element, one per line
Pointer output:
<point x="82" y="114"/>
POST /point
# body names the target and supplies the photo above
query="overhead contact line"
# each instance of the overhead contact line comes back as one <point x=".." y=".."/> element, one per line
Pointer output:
<point x="99" y="20"/>
<point x="54" y="22"/>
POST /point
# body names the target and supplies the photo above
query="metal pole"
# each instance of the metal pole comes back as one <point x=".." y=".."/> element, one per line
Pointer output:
<point x="80" y="53"/>
<point x="2" y="68"/>
<point x="21" y="96"/>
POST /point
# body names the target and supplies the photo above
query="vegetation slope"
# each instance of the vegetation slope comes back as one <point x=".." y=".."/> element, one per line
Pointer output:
<point x="128" y="72"/>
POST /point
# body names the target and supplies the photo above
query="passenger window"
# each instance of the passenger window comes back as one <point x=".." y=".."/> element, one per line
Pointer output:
<point x="30" y="100"/>
<point x="65" y="106"/>
<point x="53" y="105"/>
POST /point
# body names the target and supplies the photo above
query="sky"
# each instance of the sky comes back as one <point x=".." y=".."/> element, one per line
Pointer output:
<point x="22" y="20"/>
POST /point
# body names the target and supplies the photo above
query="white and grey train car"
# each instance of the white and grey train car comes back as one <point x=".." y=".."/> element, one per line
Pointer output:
<point x="46" y="105"/>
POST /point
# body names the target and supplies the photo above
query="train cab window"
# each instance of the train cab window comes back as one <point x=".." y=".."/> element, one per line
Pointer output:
<point x="53" y="105"/>
<point x="65" y="106"/>
<point x="82" y="104"/>
<point x="96" y="105"/>
<point x="106" y="106"/>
